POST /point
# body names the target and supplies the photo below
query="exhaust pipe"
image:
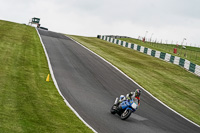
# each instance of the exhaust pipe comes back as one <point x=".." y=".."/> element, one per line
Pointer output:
<point x="116" y="100"/>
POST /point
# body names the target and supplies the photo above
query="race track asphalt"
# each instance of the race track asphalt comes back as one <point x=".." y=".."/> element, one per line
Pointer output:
<point x="91" y="85"/>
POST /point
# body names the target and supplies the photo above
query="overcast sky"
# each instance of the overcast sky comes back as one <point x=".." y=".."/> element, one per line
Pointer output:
<point x="163" y="19"/>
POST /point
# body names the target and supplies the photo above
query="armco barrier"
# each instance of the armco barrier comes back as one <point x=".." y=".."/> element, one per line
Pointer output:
<point x="164" y="56"/>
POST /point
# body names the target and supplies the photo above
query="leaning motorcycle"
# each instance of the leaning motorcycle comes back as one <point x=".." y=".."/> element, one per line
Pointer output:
<point x="124" y="109"/>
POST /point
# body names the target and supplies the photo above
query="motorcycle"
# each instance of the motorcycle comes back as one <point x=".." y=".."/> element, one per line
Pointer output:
<point x="124" y="109"/>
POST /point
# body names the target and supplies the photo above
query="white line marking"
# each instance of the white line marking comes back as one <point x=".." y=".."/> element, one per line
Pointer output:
<point x="137" y="84"/>
<point x="56" y="85"/>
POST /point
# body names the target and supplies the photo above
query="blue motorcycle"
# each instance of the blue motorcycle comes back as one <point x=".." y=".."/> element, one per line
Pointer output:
<point x="124" y="109"/>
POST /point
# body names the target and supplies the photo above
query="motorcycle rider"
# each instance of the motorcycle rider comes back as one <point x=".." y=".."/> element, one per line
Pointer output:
<point x="132" y="95"/>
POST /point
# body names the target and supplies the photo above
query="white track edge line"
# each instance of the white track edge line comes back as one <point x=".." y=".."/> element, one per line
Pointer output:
<point x="136" y="83"/>
<point x="56" y="85"/>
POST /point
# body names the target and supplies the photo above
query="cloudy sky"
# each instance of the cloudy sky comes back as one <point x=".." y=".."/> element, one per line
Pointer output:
<point x="163" y="19"/>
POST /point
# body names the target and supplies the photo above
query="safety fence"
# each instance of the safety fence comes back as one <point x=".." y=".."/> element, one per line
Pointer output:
<point x="194" y="68"/>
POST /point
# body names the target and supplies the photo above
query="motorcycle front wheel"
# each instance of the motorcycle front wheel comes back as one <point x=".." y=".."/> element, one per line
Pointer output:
<point x="126" y="114"/>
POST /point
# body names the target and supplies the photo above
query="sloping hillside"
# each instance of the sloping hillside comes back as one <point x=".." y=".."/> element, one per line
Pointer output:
<point x="27" y="102"/>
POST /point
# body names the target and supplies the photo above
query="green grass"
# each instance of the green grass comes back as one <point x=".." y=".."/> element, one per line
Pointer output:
<point x="190" y="53"/>
<point x="170" y="83"/>
<point x="27" y="102"/>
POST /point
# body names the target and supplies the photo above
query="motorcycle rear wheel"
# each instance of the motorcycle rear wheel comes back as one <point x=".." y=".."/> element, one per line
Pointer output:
<point x="126" y="114"/>
<point x="112" y="110"/>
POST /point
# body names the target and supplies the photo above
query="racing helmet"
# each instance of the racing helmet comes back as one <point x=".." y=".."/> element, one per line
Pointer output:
<point x="130" y="95"/>
<point x="121" y="98"/>
<point x="137" y="92"/>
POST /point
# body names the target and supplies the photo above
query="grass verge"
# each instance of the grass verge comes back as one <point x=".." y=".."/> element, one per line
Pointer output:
<point x="170" y="83"/>
<point x="27" y="102"/>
